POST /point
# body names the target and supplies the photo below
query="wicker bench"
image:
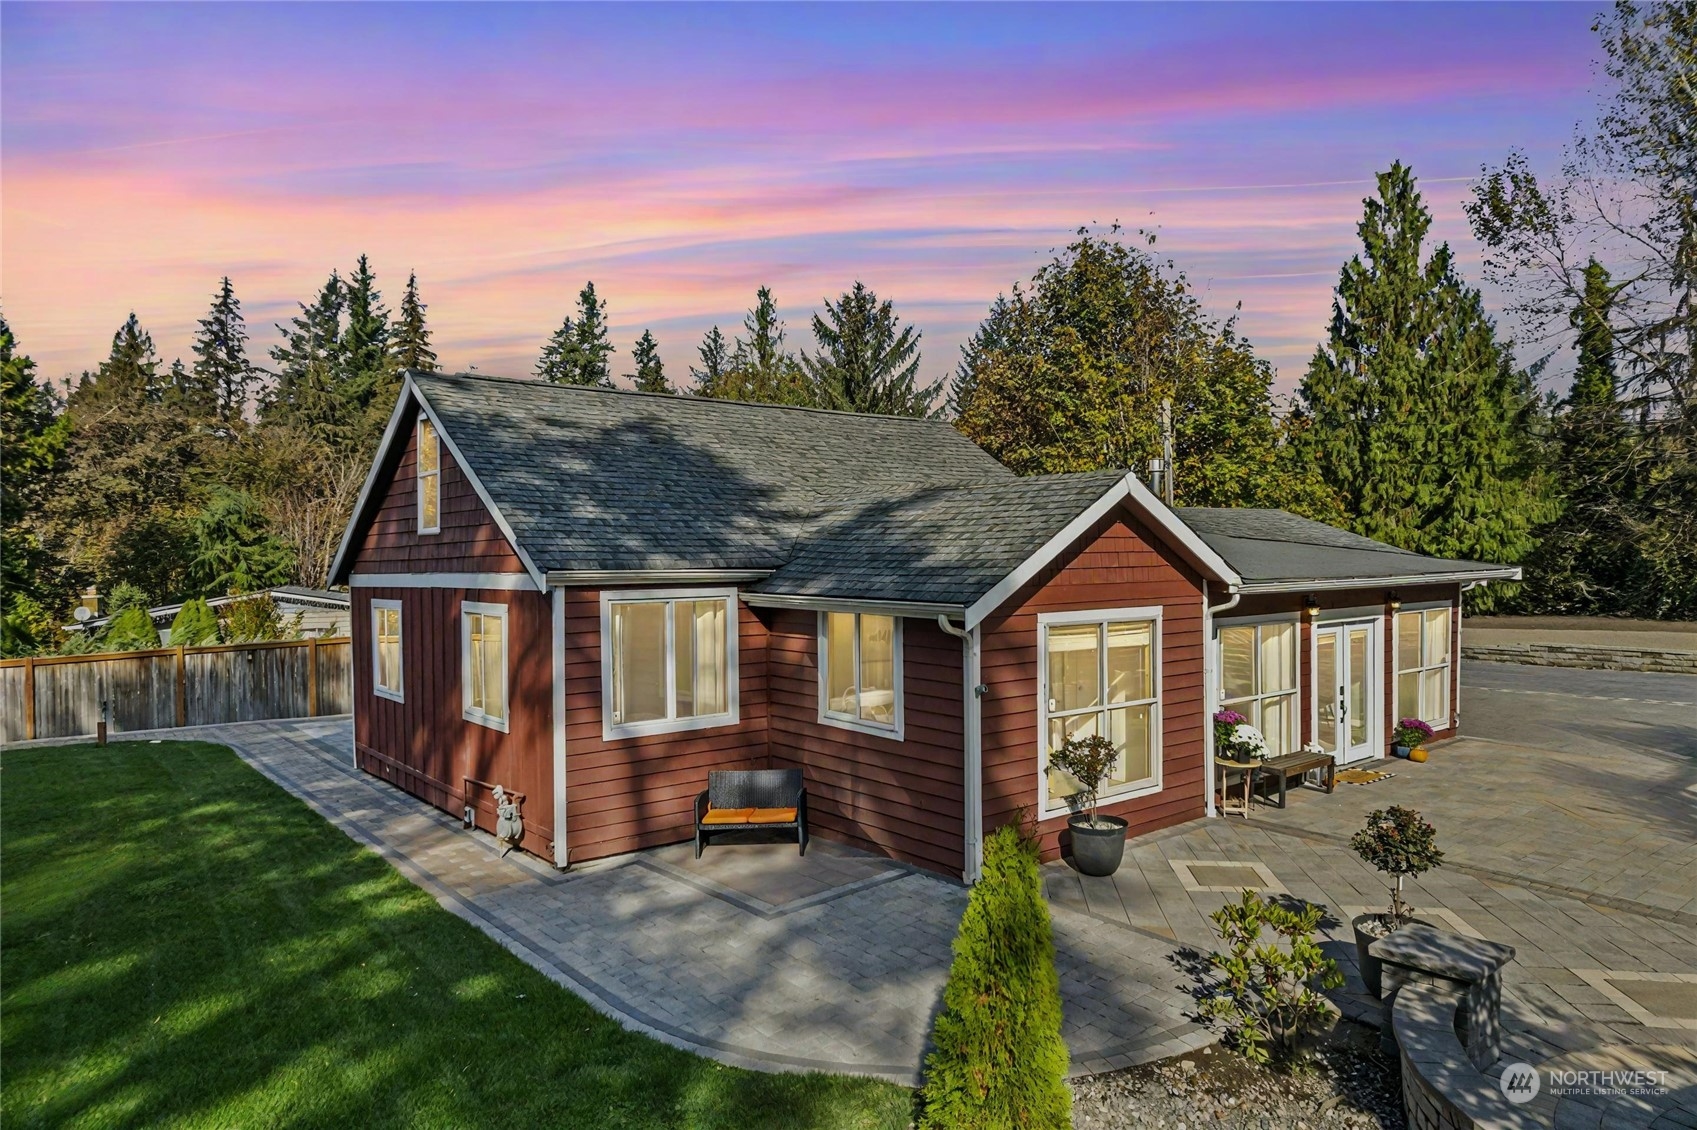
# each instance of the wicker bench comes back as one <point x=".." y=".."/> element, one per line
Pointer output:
<point x="737" y="800"/>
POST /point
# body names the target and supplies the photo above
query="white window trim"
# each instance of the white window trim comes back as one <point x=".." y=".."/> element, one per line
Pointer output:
<point x="398" y="694"/>
<point x="1397" y="670"/>
<point x="730" y="717"/>
<point x="420" y="474"/>
<point x="896" y="732"/>
<point x="1219" y="673"/>
<point x="1045" y="621"/>
<point x="467" y="711"/>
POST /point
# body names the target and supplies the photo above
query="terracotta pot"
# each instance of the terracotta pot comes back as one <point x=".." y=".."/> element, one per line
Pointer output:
<point x="1097" y="851"/>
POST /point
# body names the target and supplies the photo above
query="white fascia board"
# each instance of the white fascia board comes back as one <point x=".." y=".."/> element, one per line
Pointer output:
<point x="1499" y="573"/>
<point x="409" y="392"/>
<point x="847" y="604"/>
<point x="1128" y="489"/>
<point x="477" y="485"/>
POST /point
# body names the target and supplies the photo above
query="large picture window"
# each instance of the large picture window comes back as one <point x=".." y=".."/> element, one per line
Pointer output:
<point x="1258" y="680"/>
<point x="669" y="662"/>
<point x="429" y="478"/>
<point x="483" y="663"/>
<point x="860" y="672"/>
<point x="1100" y="675"/>
<point x="1423" y="665"/>
<point x="386" y="648"/>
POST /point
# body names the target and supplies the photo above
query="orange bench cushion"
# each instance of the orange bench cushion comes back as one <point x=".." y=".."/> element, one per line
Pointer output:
<point x="772" y="816"/>
<point x="728" y="815"/>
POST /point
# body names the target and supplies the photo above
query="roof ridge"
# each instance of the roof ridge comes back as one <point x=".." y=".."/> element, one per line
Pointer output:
<point x="679" y="397"/>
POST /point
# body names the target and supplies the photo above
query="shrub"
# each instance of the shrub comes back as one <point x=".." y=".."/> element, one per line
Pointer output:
<point x="1411" y="732"/>
<point x="130" y="630"/>
<point x="195" y="624"/>
<point x="1398" y="842"/>
<point x="1269" y="995"/>
<point x="998" y="1059"/>
<point x="257" y="618"/>
<point x="1087" y="761"/>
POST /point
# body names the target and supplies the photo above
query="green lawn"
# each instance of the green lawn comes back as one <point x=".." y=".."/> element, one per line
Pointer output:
<point x="181" y="942"/>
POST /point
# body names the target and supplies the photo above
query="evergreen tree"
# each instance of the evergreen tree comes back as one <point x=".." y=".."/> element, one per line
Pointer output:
<point x="578" y="352"/>
<point x="559" y="360"/>
<point x="409" y="339"/>
<point x="194" y="625"/>
<point x="760" y="368"/>
<point x="130" y="630"/>
<point x="223" y="375"/>
<point x="1070" y="375"/>
<point x="234" y="550"/>
<point x="1414" y="412"/>
<point x="129" y="377"/>
<point x="311" y="391"/>
<point x="365" y="338"/>
<point x="33" y="434"/>
<point x="650" y="375"/>
<point x="866" y="362"/>
<point x="715" y="361"/>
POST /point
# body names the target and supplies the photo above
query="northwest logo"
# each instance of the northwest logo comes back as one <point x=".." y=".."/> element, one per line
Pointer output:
<point x="1520" y="1083"/>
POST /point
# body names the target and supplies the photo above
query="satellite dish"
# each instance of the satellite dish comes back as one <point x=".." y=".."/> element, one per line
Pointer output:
<point x="82" y="613"/>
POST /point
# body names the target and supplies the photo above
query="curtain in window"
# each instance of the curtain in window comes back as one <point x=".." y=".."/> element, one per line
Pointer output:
<point x="639" y="662"/>
<point x="429" y="477"/>
<point x="1258" y="679"/>
<point x="486" y="676"/>
<point x="1423" y="665"/>
<point x="1101" y="681"/>
<point x="388" y="634"/>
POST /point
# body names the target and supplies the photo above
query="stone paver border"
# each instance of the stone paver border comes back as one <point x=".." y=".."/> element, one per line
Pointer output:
<point x="1600" y="979"/>
<point x="1269" y="882"/>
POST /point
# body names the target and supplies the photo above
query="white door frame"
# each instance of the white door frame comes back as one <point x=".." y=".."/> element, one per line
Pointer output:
<point x="1342" y="620"/>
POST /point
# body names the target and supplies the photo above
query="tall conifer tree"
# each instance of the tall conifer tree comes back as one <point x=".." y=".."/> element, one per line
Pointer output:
<point x="761" y="369"/>
<point x="365" y="337"/>
<point x="594" y="346"/>
<point x="409" y="338"/>
<point x="222" y="371"/>
<point x="715" y="355"/>
<point x="867" y="361"/>
<point x="1411" y="409"/>
<point x="650" y="375"/>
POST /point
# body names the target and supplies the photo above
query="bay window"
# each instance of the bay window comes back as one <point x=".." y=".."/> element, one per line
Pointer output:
<point x="1258" y="673"/>
<point x="429" y="478"/>
<point x="386" y="648"/>
<point x="668" y="662"/>
<point x="860" y="672"/>
<point x="483" y="663"/>
<point x="1100" y="674"/>
<point x="1423" y="665"/>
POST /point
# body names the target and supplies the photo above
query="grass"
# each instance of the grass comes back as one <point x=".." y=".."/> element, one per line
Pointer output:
<point x="183" y="943"/>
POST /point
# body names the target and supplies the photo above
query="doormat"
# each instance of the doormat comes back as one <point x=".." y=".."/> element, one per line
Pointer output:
<point x="1362" y="776"/>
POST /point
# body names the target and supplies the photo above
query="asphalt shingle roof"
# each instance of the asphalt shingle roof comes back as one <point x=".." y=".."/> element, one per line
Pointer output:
<point x="944" y="545"/>
<point x="1276" y="546"/>
<point x="591" y="479"/>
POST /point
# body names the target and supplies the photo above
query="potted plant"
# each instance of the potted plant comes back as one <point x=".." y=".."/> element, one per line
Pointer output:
<point x="1397" y="842"/>
<point x="1098" y="842"/>
<point x="1410" y="734"/>
<point x="1236" y="740"/>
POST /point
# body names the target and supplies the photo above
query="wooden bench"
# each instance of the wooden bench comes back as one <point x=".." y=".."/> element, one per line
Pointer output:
<point x="736" y="800"/>
<point x="1282" y="769"/>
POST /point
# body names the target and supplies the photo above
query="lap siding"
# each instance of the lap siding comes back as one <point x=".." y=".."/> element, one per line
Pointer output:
<point x="1120" y="564"/>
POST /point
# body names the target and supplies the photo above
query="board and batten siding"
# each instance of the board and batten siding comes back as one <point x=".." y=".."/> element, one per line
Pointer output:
<point x="902" y="799"/>
<point x="632" y="793"/>
<point x="469" y="540"/>
<point x="1118" y="565"/>
<point x="424" y="744"/>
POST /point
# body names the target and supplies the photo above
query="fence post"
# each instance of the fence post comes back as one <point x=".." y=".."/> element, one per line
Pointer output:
<point x="312" y="676"/>
<point x="29" y="698"/>
<point x="182" y="689"/>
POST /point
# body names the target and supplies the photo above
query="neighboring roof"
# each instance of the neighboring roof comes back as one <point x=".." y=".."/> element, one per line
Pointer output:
<point x="285" y="595"/>
<point x="1274" y="549"/>
<point x="600" y="480"/>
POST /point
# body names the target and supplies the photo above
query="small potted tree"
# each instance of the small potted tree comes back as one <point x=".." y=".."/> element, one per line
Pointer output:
<point x="1409" y="739"/>
<point x="1397" y="842"/>
<point x="1098" y="842"/>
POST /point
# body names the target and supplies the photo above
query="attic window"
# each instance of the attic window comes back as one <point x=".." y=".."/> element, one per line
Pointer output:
<point x="429" y="479"/>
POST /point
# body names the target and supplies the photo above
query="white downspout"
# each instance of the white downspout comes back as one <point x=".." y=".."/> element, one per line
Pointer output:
<point x="1208" y="688"/>
<point x="1460" y="606"/>
<point x="972" y="769"/>
<point x="557" y="597"/>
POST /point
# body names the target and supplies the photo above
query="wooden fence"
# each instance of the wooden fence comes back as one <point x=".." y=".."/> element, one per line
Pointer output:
<point x="60" y="696"/>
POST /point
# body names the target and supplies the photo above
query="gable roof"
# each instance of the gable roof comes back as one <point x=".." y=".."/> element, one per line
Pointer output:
<point x="591" y="480"/>
<point x="1275" y="550"/>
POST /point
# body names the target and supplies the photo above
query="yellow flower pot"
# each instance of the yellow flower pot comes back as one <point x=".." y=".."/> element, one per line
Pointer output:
<point x="1418" y="753"/>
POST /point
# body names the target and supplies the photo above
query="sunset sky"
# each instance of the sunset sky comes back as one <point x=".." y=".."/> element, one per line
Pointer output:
<point x="681" y="156"/>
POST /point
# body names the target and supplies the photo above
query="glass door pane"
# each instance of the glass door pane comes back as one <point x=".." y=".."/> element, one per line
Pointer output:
<point x="1357" y="687"/>
<point x="1327" y="688"/>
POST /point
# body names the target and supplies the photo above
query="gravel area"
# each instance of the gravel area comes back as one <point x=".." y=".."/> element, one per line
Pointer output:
<point x="1347" y="1086"/>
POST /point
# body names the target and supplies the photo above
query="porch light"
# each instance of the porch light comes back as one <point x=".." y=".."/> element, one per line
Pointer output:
<point x="1311" y="605"/>
<point x="1393" y="600"/>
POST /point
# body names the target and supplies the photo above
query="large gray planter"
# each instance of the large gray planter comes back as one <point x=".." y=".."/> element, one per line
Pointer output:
<point x="1372" y="973"/>
<point x="1097" y="851"/>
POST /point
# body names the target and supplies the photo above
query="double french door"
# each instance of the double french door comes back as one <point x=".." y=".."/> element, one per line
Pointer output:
<point x="1348" y="672"/>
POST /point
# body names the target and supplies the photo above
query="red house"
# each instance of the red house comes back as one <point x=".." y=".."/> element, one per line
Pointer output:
<point x="592" y="598"/>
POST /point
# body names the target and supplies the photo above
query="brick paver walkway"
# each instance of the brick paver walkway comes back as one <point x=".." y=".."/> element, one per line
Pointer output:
<point x="845" y="980"/>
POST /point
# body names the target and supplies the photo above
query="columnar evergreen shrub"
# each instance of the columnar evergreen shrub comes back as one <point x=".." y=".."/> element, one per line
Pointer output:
<point x="130" y="630"/>
<point x="195" y="624"/>
<point x="998" y="1059"/>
